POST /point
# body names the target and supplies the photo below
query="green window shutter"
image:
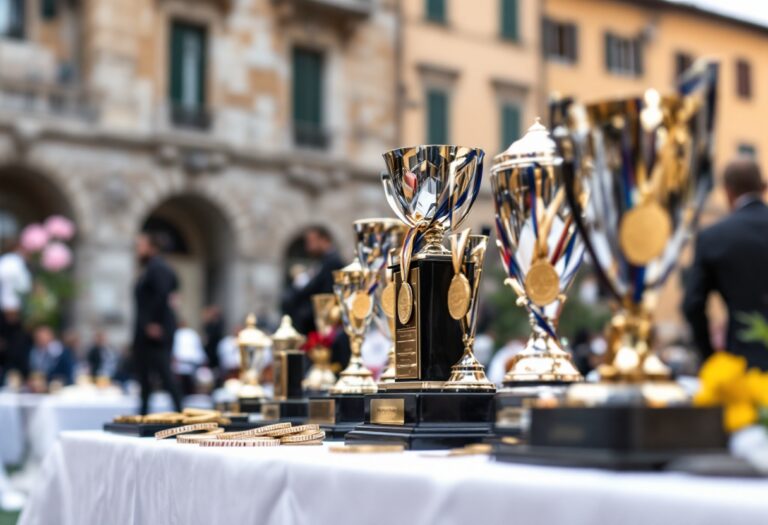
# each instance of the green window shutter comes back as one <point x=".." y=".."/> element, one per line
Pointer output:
<point x="510" y="124"/>
<point x="307" y="87"/>
<point x="188" y="61"/>
<point x="437" y="116"/>
<point x="176" y="61"/>
<point x="509" y="19"/>
<point x="436" y="10"/>
<point x="48" y="9"/>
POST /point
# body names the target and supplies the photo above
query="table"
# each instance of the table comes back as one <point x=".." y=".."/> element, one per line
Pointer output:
<point x="93" y="477"/>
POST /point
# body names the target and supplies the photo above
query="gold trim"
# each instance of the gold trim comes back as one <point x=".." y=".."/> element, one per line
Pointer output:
<point x="388" y="411"/>
<point x="322" y="411"/>
<point x="412" y="385"/>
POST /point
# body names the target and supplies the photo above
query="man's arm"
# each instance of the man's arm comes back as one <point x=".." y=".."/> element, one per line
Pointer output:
<point x="160" y="284"/>
<point x="699" y="284"/>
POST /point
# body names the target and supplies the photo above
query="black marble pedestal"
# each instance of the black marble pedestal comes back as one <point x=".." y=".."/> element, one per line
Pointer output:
<point x="337" y="414"/>
<point x="250" y="405"/>
<point x="425" y="420"/>
<point x="618" y="437"/>
<point x="294" y="411"/>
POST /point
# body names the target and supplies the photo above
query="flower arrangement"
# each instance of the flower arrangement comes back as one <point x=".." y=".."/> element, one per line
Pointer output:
<point x="743" y="393"/>
<point x="50" y="258"/>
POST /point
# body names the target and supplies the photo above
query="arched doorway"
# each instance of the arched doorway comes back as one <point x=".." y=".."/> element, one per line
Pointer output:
<point x="27" y="196"/>
<point x="200" y="248"/>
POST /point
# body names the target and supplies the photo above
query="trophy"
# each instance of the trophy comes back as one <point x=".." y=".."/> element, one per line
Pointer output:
<point x="253" y="344"/>
<point x="320" y="377"/>
<point x="646" y="165"/>
<point x="467" y="251"/>
<point x="540" y="251"/>
<point x="288" y="402"/>
<point x="376" y="240"/>
<point x="431" y="190"/>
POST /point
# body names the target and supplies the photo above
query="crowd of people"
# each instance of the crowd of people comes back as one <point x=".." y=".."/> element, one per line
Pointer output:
<point x="167" y="352"/>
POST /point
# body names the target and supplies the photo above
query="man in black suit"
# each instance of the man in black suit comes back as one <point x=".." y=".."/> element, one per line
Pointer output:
<point x="155" y="320"/>
<point x="731" y="258"/>
<point x="318" y="243"/>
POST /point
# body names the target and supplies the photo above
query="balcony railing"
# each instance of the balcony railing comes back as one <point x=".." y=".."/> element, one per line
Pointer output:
<point x="343" y="8"/>
<point x="40" y="98"/>
<point x="191" y="118"/>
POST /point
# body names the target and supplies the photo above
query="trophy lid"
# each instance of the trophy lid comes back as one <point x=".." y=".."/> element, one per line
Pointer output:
<point x="535" y="145"/>
<point x="286" y="337"/>
<point x="252" y="336"/>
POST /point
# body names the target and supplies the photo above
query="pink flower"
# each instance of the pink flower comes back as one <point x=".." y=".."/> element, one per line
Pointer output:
<point x="56" y="257"/>
<point x="59" y="227"/>
<point x="33" y="238"/>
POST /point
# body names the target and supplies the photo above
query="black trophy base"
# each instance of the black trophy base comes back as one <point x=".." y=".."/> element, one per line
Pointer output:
<point x="337" y="414"/>
<point x="618" y="437"/>
<point x="513" y="407"/>
<point x="250" y="405"/>
<point x="425" y="420"/>
<point x="150" y="429"/>
<point x="295" y="411"/>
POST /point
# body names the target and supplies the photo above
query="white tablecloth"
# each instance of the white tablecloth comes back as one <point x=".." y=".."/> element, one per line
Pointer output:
<point x="15" y="411"/>
<point x="92" y="477"/>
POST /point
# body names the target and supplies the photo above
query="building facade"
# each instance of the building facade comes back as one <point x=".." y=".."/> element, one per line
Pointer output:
<point x="228" y="125"/>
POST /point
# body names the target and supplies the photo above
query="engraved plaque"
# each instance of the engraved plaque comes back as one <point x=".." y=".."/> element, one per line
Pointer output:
<point x="280" y="374"/>
<point x="322" y="411"/>
<point x="388" y="411"/>
<point x="270" y="411"/>
<point x="407" y="351"/>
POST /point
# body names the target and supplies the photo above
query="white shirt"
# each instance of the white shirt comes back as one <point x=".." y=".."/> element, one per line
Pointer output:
<point x="229" y="353"/>
<point x="15" y="281"/>
<point x="188" y="352"/>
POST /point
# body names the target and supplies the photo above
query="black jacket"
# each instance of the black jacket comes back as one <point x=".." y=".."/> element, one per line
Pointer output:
<point x="731" y="258"/>
<point x="152" y="294"/>
<point x="298" y="303"/>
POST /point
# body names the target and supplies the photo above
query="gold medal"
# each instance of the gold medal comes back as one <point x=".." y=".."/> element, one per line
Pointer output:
<point x="644" y="233"/>
<point x="388" y="300"/>
<point x="361" y="305"/>
<point x="459" y="293"/>
<point x="542" y="284"/>
<point x="405" y="303"/>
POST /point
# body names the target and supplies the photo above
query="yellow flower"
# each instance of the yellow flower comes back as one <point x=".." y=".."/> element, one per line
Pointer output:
<point x="739" y="415"/>
<point x="722" y="368"/>
<point x="757" y="384"/>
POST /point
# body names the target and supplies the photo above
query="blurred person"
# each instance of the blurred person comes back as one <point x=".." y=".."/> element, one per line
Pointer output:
<point x="730" y="259"/>
<point x="50" y="358"/>
<point x="213" y="330"/>
<point x="155" y="320"/>
<point x="15" y="284"/>
<point x="502" y="360"/>
<point x="229" y="355"/>
<point x="318" y="242"/>
<point x="188" y="356"/>
<point x="102" y="358"/>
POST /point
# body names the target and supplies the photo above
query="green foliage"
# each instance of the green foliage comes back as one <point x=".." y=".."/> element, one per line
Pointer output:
<point x="511" y="321"/>
<point x="756" y="330"/>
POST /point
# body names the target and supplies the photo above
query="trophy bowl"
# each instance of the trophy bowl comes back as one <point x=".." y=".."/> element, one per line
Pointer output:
<point x="431" y="187"/>
<point x="646" y="164"/>
<point x="376" y="240"/>
<point x="350" y="284"/>
<point x="540" y="249"/>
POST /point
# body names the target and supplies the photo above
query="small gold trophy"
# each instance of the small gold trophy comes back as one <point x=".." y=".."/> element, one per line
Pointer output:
<point x="289" y="403"/>
<point x="253" y="344"/>
<point x="320" y="378"/>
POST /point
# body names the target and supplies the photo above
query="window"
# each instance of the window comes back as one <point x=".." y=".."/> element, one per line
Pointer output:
<point x="683" y="61"/>
<point x="510" y="124"/>
<point x="187" y="86"/>
<point x="48" y="9"/>
<point x="508" y="19"/>
<point x="12" y="18"/>
<point x="743" y="79"/>
<point x="623" y="56"/>
<point x="437" y="116"/>
<point x="435" y="10"/>
<point x="747" y="150"/>
<point x="560" y="41"/>
<point x="308" y="98"/>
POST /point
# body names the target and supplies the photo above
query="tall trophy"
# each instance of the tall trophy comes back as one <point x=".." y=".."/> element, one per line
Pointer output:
<point x="288" y="403"/>
<point x="540" y="251"/>
<point x="253" y="344"/>
<point x="646" y="166"/>
<point x="376" y="240"/>
<point x="431" y="190"/>
<point x="320" y="377"/>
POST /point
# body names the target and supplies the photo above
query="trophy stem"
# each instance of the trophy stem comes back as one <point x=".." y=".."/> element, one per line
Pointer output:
<point x="390" y="373"/>
<point x="543" y="361"/>
<point x="433" y="239"/>
<point x="356" y="378"/>
<point x="468" y="373"/>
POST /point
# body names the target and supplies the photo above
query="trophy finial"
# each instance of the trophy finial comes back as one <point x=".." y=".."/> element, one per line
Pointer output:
<point x="286" y="337"/>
